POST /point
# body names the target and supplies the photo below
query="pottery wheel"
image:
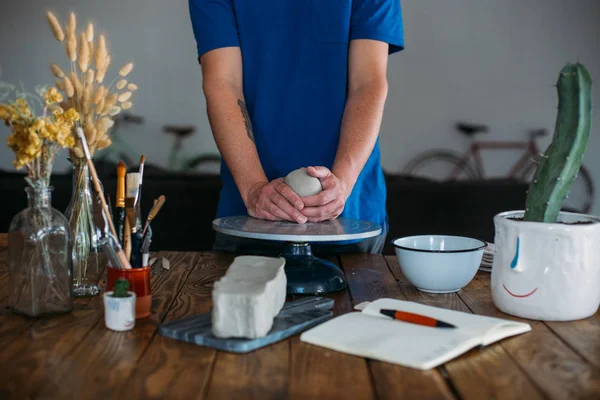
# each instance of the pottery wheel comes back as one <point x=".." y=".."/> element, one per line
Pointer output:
<point x="305" y="273"/>
<point x="327" y="231"/>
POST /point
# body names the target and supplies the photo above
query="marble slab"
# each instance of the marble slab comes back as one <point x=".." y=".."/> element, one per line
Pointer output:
<point x="295" y="317"/>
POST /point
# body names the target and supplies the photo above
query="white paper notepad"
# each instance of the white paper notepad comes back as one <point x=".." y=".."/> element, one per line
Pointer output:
<point x="373" y="335"/>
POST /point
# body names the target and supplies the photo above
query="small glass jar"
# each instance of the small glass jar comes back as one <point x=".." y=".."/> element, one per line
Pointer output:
<point x="39" y="256"/>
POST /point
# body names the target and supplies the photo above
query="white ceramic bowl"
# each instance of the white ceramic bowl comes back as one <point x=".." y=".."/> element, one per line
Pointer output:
<point x="439" y="263"/>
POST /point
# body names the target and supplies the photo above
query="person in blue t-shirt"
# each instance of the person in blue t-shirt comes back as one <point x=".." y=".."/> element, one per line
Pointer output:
<point x="291" y="84"/>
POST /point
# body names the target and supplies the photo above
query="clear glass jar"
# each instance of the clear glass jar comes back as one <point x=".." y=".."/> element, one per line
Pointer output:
<point x="39" y="257"/>
<point x="82" y="213"/>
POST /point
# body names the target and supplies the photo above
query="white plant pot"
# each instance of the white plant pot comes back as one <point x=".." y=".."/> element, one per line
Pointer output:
<point x="119" y="312"/>
<point x="546" y="271"/>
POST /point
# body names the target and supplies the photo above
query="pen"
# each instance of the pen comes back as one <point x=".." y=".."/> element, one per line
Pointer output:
<point x="416" y="318"/>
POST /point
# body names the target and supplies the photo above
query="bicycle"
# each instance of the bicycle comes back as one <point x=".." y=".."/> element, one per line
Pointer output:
<point x="178" y="161"/>
<point x="455" y="166"/>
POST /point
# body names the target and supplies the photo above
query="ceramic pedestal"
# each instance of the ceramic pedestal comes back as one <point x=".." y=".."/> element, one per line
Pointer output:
<point x="547" y="271"/>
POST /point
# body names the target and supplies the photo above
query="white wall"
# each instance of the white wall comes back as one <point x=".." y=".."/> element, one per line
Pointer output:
<point x="486" y="61"/>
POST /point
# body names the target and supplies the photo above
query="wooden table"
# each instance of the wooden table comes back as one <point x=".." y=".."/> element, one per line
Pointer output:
<point x="75" y="356"/>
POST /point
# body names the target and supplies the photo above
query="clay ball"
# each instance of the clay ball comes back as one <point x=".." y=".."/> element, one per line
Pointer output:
<point x="302" y="183"/>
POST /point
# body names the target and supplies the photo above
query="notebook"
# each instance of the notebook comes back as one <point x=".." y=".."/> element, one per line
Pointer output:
<point x="369" y="334"/>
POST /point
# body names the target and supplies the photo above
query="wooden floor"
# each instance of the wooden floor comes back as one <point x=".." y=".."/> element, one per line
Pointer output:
<point x="75" y="356"/>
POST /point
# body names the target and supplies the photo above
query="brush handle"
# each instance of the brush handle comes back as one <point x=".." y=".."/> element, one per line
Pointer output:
<point x="127" y="239"/>
<point x="120" y="224"/>
<point x="136" y="250"/>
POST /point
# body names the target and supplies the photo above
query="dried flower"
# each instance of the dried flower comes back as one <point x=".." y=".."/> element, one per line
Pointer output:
<point x="132" y="86"/>
<point x="111" y="100"/>
<point x="60" y="84"/>
<point x="57" y="71"/>
<point x="114" y="110"/>
<point x="72" y="47"/>
<point x="52" y="96"/>
<point x="72" y="24"/>
<point x="124" y="97"/>
<point x="69" y="89"/>
<point x="84" y="54"/>
<point x="77" y="85"/>
<point x="126" y="69"/>
<point x="99" y="94"/>
<point x="103" y="143"/>
<point x="127" y="105"/>
<point x="101" y="52"/>
<point x="86" y="99"/>
<point x="121" y="84"/>
<point x="89" y="32"/>
<point x="56" y="28"/>
<point x="89" y="77"/>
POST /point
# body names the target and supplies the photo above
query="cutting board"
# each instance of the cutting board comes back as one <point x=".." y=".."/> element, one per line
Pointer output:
<point x="294" y="317"/>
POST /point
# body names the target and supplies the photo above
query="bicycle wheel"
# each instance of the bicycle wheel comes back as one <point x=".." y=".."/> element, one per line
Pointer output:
<point x="581" y="195"/>
<point x="439" y="165"/>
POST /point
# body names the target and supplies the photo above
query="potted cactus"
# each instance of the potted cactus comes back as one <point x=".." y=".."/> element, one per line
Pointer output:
<point x="119" y="307"/>
<point x="547" y="261"/>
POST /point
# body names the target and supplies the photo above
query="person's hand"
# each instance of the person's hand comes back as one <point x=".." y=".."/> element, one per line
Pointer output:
<point x="275" y="201"/>
<point x="328" y="204"/>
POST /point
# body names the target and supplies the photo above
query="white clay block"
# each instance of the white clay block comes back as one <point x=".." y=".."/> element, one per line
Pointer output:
<point x="302" y="183"/>
<point x="248" y="297"/>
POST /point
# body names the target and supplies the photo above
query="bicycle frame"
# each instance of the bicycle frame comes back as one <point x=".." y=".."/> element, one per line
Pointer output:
<point x="476" y="147"/>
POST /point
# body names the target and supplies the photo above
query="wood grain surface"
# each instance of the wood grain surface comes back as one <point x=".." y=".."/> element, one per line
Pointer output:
<point x="506" y="380"/>
<point x="557" y="370"/>
<point x="323" y="374"/>
<point x="370" y="278"/>
<point x="104" y="359"/>
<point x="75" y="356"/>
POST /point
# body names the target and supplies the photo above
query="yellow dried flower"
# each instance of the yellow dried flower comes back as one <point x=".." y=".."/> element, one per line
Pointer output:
<point x="72" y="115"/>
<point x="53" y="96"/>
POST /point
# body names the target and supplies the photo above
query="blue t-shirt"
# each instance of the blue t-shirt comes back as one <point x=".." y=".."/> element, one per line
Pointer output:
<point x="295" y="70"/>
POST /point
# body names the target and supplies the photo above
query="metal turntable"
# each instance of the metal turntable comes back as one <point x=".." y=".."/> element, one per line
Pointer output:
<point x="306" y="274"/>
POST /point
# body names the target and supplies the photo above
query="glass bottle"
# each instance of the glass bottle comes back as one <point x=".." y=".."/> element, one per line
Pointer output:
<point x="39" y="256"/>
<point x="83" y="220"/>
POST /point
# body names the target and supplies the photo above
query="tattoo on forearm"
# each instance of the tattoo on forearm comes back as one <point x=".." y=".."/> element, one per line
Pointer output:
<point x="246" y="119"/>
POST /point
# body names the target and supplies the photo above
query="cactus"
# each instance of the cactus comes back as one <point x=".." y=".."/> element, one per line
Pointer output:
<point x="559" y="165"/>
<point x="121" y="288"/>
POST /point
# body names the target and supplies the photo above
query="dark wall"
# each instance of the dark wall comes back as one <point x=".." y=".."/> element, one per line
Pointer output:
<point x="184" y="223"/>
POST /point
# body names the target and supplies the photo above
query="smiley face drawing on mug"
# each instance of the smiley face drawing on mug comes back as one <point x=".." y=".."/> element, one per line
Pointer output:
<point x="514" y="264"/>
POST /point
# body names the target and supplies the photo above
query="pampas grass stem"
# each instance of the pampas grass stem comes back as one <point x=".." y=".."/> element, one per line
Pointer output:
<point x="57" y="30"/>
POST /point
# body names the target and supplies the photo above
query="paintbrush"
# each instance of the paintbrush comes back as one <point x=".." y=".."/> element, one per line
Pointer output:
<point x="146" y="246"/>
<point x="139" y="194"/>
<point x="134" y="218"/>
<point x="96" y="182"/>
<point x="155" y="209"/>
<point x="120" y="205"/>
